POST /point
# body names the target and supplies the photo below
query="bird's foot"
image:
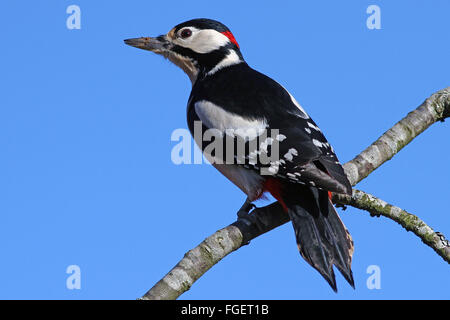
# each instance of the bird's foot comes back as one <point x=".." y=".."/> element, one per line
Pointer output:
<point x="244" y="211"/>
<point x="243" y="215"/>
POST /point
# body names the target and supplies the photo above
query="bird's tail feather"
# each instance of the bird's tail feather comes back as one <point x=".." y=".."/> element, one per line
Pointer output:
<point x="322" y="239"/>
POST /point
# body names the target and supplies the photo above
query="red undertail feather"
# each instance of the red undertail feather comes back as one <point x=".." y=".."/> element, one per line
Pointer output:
<point x="273" y="186"/>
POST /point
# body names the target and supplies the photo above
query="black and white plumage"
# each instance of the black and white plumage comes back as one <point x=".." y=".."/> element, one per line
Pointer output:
<point x="242" y="105"/>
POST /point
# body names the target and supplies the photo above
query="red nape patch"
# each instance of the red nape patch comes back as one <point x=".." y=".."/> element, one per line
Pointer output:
<point x="330" y="195"/>
<point x="230" y="36"/>
<point x="273" y="186"/>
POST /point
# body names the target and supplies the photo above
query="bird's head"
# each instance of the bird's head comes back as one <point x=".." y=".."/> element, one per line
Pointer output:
<point x="199" y="47"/>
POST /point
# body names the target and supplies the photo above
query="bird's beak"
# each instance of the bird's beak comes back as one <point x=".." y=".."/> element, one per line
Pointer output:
<point x="157" y="45"/>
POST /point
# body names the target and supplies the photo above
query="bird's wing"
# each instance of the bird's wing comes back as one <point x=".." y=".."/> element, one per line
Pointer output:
<point x="258" y="102"/>
<point x="305" y="156"/>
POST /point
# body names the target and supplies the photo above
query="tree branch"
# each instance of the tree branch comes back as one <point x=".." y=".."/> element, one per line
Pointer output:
<point x="410" y="222"/>
<point x="214" y="248"/>
<point x="435" y="108"/>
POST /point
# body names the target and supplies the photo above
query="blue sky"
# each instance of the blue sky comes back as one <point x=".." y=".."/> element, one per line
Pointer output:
<point x="86" y="176"/>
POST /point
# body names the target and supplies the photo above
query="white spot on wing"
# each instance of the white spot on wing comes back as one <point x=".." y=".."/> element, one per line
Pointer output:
<point x="291" y="176"/>
<point x="273" y="169"/>
<point x="313" y="126"/>
<point x="302" y="113"/>
<point x="290" y="154"/>
<point x="319" y="144"/>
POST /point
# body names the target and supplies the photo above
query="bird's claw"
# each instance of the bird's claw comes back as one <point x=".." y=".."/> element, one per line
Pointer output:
<point x="243" y="215"/>
<point x="244" y="211"/>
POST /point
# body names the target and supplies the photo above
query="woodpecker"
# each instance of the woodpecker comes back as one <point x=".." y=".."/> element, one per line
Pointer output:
<point x="230" y="101"/>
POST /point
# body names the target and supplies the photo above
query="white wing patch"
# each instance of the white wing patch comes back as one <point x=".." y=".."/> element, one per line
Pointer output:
<point x="213" y="116"/>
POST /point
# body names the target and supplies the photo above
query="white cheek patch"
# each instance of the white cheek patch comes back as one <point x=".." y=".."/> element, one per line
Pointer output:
<point x="203" y="41"/>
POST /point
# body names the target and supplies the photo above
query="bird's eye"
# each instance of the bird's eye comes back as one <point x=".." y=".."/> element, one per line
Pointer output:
<point x="186" y="33"/>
